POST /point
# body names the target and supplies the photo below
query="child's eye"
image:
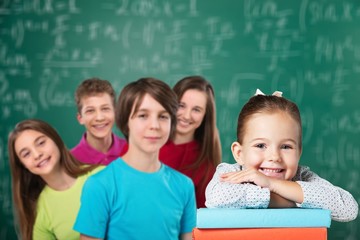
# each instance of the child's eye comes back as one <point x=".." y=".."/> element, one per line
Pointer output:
<point x="40" y="142"/>
<point x="25" y="154"/>
<point x="106" y="109"/>
<point x="141" y="115"/>
<point x="197" y="110"/>
<point x="260" y="145"/>
<point x="89" y="111"/>
<point x="286" y="146"/>
<point x="164" y="116"/>
<point x="181" y="105"/>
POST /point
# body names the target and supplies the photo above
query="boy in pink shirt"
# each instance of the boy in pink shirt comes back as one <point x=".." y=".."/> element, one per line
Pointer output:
<point x="95" y="100"/>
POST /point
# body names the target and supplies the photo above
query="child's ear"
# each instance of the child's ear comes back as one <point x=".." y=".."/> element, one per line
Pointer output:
<point x="79" y="118"/>
<point x="236" y="151"/>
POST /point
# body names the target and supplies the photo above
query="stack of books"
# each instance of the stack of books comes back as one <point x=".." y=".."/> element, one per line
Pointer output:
<point x="264" y="224"/>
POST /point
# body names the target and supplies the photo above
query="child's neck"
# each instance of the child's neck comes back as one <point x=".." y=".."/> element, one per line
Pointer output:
<point x="100" y="144"/>
<point x="181" y="139"/>
<point x="59" y="180"/>
<point x="144" y="162"/>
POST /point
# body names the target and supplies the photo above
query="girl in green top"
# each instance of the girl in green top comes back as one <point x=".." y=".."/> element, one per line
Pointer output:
<point x="44" y="175"/>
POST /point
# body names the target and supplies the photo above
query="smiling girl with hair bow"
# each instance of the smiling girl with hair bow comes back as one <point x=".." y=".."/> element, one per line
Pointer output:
<point x="267" y="174"/>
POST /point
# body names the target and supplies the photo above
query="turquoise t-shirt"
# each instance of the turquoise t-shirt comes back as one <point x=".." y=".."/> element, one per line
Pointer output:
<point x="57" y="210"/>
<point x="121" y="202"/>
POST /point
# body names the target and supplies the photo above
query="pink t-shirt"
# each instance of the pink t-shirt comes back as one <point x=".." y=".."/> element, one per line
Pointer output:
<point x="87" y="154"/>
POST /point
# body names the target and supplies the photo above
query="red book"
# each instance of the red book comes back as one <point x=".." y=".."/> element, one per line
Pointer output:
<point x="260" y="233"/>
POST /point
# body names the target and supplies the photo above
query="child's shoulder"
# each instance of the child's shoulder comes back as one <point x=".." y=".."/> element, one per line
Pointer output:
<point x="228" y="167"/>
<point x="304" y="173"/>
<point x="97" y="169"/>
<point x="91" y="171"/>
<point x="178" y="176"/>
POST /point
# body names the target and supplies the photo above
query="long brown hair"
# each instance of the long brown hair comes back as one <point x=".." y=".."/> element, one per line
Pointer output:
<point x="207" y="134"/>
<point x="26" y="186"/>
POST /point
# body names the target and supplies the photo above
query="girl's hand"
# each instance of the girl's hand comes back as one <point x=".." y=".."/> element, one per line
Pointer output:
<point x="285" y="189"/>
<point x="249" y="175"/>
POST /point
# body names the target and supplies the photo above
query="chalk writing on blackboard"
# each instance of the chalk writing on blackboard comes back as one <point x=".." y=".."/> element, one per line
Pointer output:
<point x="38" y="7"/>
<point x="200" y="60"/>
<point x="314" y="12"/>
<point x="20" y="27"/>
<point x="340" y="155"/>
<point x="153" y="64"/>
<point x="307" y="119"/>
<point x="147" y="8"/>
<point x="336" y="79"/>
<point x="17" y="100"/>
<point x="72" y="58"/>
<point x="13" y="63"/>
<point x="329" y="50"/>
<point x="345" y="123"/>
<point x="218" y="32"/>
<point x="50" y="94"/>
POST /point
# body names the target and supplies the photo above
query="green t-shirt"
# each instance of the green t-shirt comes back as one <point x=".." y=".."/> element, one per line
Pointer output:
<point x="57" y="211"/>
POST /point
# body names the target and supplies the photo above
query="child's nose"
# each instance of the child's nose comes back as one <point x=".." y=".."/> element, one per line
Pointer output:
<point x="187" y="113"/>
<point x="99" y="115"/>
<point x="154" y="124"/>
<point x="275" y="155"/>
<point x="37" y="154"/>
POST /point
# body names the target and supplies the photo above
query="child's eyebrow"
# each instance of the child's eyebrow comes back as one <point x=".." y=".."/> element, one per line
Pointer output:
<point x="105" y="104"/>
<point x="284" y="140"/>
<point x="164" y="112"/>
<point x="199" y="107"/>
<point x="258" y="139"/>
<point x="145" y="110"/>
<point x="142" y="110"/>
<point x="88" y="106"/>
<point x="291" y="140"/>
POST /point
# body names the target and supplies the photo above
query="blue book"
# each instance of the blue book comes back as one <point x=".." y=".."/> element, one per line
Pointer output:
<point x="262" y="218"/>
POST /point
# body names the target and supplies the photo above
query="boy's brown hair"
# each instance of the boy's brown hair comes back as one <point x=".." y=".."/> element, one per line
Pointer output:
<point x="92" y="87"/>
<point x="132" y="96"/>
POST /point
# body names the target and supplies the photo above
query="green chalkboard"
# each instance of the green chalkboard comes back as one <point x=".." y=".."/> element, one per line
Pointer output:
<point x="310" y="50"/>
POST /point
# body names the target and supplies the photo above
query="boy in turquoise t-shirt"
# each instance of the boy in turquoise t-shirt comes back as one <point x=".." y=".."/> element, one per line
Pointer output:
<point x="137" y="196"/>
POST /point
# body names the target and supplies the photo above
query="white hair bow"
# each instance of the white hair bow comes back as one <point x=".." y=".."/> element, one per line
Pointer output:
<point x="276" y="93"/>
